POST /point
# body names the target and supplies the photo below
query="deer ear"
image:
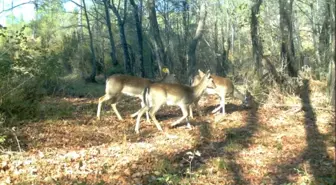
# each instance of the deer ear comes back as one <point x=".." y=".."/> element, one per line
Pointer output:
<point x="201" y="74"/>
<point x="208" y="72"/>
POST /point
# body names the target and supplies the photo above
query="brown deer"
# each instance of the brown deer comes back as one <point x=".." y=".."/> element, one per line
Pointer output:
<point x="119" y="84"/>
<point x="158" y="94"/>
<point x="224" y="87"/>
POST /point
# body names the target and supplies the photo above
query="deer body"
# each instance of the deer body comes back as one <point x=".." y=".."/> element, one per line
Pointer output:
<point x="224" y="87"/>
<point x="158" y="94"/>
<point x="119" y="84"/>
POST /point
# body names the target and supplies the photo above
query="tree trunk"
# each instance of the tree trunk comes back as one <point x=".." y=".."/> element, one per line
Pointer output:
<point x="332" y="63"/>
<point x="287" y="45"/>
<point x="185" y="23"/>
<point x="218" y="61"/>
<point x="138" y="25"/>
<point x="331" y="81"/>
<point x="109" y="27"/>
<point x="161" y="57"/>
<point x="191" y="57"/>
<point x="92" y="77"/>
<point x="121" y="25"/>
<point x="257" y="47"/>
<point x="324" y="39"/>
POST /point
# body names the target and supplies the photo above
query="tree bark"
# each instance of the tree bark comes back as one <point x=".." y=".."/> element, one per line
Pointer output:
<point x="92" y="77"/>
<point x="324" y="38"/>
<point x="185" y="36"/>
<point x="257" y="47"/>
<point x="287" y="45"/>
<point x="121" y="25"/>
<point x="191" y="57"/>
<point x="218" y="61"/>
<point x="160" y="54"/>
<point x="138" y="25"/>
<point x="109" y="27"/>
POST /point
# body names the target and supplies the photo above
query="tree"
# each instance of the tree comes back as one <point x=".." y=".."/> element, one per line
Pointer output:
<point x="257" y="48"/>
<point x="121" y="25"/>
<point x="160" y="55"/>
<point x="191" y="56"/>
<point x="138" y="24"/>
<point x="93" y="56"/>
<point x="287" y="50"/>
<point x="109" y="28"/>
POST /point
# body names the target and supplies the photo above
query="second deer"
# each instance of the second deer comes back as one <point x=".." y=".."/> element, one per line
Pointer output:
<point x="158" y="94"/>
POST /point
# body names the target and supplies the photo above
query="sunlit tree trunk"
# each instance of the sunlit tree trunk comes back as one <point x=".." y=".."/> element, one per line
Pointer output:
<point x="287" y="45"/>
<point x="257" y="47"/>
<point x="138" y="25"/>
<point x="160" y="55"/>
<point x="109" y="28"/>
<point x="185" y="27"/>
<point x="121" y="25"/>
<point x="93" y="56"/>
<point x="191" y="57"/>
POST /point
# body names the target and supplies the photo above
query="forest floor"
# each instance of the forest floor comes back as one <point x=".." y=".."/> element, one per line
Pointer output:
<point x="260" y="145"/>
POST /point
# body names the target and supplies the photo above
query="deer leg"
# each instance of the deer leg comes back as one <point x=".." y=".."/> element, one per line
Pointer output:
<point x="217" y="109"/>
<point x="190" y="111"/>
<point x="223" y="106"/>
<point x="152" y="113"/>
<point x="140" y="113"/>
<point x="197" y="108"/>
<point x="147" y="115"/>
<point x="101" y="100"/>
<point x="114" y="106"/>
<point x="185" y="113"/>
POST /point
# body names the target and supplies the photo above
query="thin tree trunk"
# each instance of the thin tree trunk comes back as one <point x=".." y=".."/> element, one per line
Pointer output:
<point x="287" y="45"/>
<point x="324" y="39"/>
<point x="121" y="25"/>
<point x="138" y="25"/>
<point x="93" y="56"/>
<point x="185" y="38"/>
<point x="161" y="57"/>
<point x="109" y="27"/>
<point x="191" y="57"/>
<point x="257" y="47"/>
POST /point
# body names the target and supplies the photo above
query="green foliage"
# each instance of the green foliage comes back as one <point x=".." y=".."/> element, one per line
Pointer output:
<point x="115" y="70"/>
<point x="166" y="173"/>
<point x="26" y="68"/>
<point x="74" y="85"/>
<point x="170" y="179"/>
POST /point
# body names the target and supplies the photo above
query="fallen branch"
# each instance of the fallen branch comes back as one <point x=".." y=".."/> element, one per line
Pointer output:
<point x="300" y="107"/>
<point x="11" y="131"/>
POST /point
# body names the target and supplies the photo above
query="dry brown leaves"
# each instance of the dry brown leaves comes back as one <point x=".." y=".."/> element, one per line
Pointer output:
<point x="248" y="146"/>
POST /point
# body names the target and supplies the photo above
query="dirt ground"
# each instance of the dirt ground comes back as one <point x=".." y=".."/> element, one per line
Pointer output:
<point x="259" y="145"/>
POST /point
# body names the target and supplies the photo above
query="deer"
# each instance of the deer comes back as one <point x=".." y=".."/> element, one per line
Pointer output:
<point x="119" y="84"/>
<point x="224" y="87"/>
<point x="158" y="94"/>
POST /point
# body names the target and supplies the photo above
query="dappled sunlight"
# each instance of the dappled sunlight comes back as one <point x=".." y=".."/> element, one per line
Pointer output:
<point x="247" y="146"/>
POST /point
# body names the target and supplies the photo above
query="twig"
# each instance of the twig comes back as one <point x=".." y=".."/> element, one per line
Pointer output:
<point x="300" y="107"/>
<point x="16" y="138"/>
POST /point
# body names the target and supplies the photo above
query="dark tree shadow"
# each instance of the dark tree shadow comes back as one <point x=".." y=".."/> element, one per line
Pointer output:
<point x="322" y="167"/>
<point x="212" y="149"/>
<point x="229" y="108"/>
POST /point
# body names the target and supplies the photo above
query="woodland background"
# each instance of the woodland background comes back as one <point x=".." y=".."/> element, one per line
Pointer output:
<point x="272" y="48"/>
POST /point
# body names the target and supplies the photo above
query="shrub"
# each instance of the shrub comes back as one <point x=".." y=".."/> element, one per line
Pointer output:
<point x="25" y="70"/>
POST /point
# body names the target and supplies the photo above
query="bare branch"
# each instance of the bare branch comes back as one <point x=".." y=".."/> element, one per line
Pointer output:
<point x="74" y="2"/>
<point x="21" y="4"/>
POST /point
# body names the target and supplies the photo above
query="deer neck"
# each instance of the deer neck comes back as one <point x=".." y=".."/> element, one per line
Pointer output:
<point x="200" y="87"/>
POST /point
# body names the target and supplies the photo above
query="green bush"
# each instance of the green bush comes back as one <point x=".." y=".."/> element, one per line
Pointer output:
<point x="26" y="70"/>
